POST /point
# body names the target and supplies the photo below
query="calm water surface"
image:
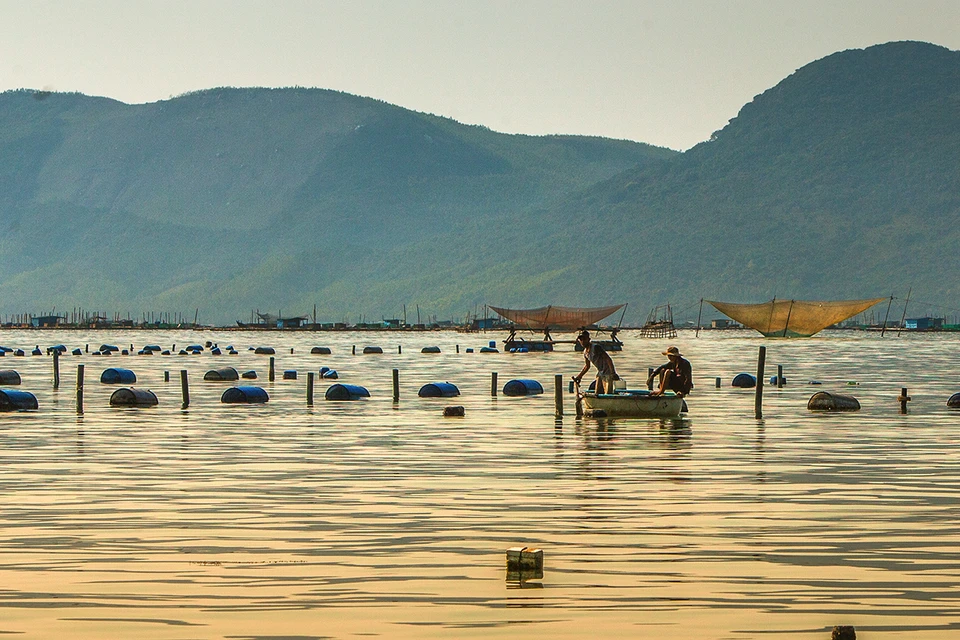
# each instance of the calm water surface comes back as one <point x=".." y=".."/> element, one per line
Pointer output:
<point x="378" y="519"/>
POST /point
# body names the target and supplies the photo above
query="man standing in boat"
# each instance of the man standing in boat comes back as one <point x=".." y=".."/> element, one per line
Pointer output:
<point x="677" y="374"/>
<point x="596" y="355"/>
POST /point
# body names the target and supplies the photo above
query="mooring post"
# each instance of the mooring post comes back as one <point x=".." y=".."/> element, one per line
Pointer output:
<point x="779" y="376"/>
<point x="184" y="389"/>
<point x="291" y="350"/>
<point x="271" y="374"/>
<point x="718" y="383"/>
<point x="310" y="389"/>
<point x="458" y="348"/>
<point x="354" y="349"/>
<point x="56" y="368"/>
<point x="903" y="399"/>
<point x="558" y="395"/>
<point x="79" y="389"/>
<point x="758" y="403"/>
<point x="493" y="384"/>
<point x="166" y="376"/>
<point x="396" y="385"/>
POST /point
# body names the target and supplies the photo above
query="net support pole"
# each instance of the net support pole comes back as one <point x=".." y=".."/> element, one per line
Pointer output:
<point x="758" y="401"/>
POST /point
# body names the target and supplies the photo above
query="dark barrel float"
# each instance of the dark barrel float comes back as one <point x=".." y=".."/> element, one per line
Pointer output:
<point x="953" y="402"/>
<point x="346" y="392"/>
<point x="115" y="375"/>
<point x="438" y="390"/>
<point x="744" y="381"/>
<point x="244" y="395"/>
<point x="323" y="351"/>
<point x="11" y="400"/>
<point x="225" y="374"/>
<point x="430" y="350"/>
<point x="369" y="350"/>
<point x="9" y="377"/>
<point x="522" y="388"/>
<point x="826" y="401"/>
<point x="130" y="397"/>
<point x="265" y="351"/>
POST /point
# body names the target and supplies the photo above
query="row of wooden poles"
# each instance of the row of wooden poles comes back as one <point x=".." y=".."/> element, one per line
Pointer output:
<point x="558" y="380"/>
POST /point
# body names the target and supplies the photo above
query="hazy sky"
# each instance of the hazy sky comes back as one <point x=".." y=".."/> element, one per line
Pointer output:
<point x="664" y="72"/>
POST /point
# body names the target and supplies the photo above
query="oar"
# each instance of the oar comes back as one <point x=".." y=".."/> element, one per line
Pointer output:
<point x="579" y="402"/>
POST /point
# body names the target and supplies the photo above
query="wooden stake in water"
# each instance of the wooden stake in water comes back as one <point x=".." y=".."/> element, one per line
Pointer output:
<point x="758" y="402"/>
<point x="271" y="374"/>
<point x="166" y="376"/>
<point x="56" y="368"/>
<point x="310" y="389"/>
<point x="184" y="389"/>
<point x="779" y="376"/>
<point x="396" y="385"/>
<point x="493" y="384"/>
<point x="79" y="389"/>
<point x="903" y="400"/>
<point x="558" y="395"/>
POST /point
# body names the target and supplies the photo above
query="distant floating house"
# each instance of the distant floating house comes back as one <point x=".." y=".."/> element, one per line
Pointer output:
<point x="46" y="321"/>
<point x="923" y="324"/>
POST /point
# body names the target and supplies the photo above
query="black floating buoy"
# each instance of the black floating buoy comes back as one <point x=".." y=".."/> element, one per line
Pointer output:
<point x="116" y="375"/>
<point x="438" y="390"/>
<point x="744" y="381"/>
<point x="77" y="352"/>
<point x="9" y="377"/>
<point x="130" y="397"/>
<point x="373" y="349"/>
<point x="244" y="395"/>
<point x="220" y="375"/>
<point x="215" y="351"/>
<point x="826" y="401"/>
<point x="346" y="392"/>
<point x="323" y="351"/>
<point x="954" y="401"/>
<point x="453" y="412"/>
<point x="249" y="375"/>
<point x="290" y="374"/>
<point x="773" y="381"/>
<point x="268" y="351"/>
<point x="522" y="388"/>
<point x="11" y="400"/>
<point x="328" y="373"/>
<point x="430" y="350"/>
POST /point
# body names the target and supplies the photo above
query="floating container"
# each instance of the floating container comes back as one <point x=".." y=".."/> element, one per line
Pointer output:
<point x="346" y="392"/>
<point x="430" y="350"/>
<point x="489" y="350"/>
<point x="144" y="352"/>
<point x="152" y="347"/>
<point x="9" y="377"/>
<point x="195" y="347"/>
<point x="744" y="381"/>
<point x="522" y="388"/>
<point x="454" y="412"/>
<point x="11" y="400"/>
<point x="265" y="351"/>
<point x="124" y="353"/>
<point x="61" y="348"/>
<point x="372" y="350"/>
<point x="492" y="344"/>
<point x="215" y="351"/>
<point x="953" y="402"/>
<point x="290" y="374"/>
<point x="322" y="351"/>
<point x="37" y="352"/>
<point x="220" y="375"/>
<point x="108" y="347"/>
<point x="469" y="350"/>
<point x="133" y="398"/>
<point x="438" y="390"/>
<point x="232" y="352"/>
<point x="76" y="352"/>
<point x="5" y="349"/>
<point x="328" y="373"/>
<point x="773" y="380"/>
<point x="826" y="401"/>
<point x="249" y="375"/>
<point x="165" y="352"/>
<point x="19" y="352"/>
<point x="244" y="395"/>
<point x="118" y="376"/>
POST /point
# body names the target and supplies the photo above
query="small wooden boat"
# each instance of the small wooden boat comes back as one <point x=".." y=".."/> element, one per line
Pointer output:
<point x="634" y="404"/>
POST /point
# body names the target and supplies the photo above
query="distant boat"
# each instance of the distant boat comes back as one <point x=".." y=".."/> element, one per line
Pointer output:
<point x="793" y="318"/>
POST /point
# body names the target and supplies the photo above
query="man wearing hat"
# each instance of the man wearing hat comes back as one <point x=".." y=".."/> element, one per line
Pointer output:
<point x="596" y="355"/>
<point x="677" y="374"/>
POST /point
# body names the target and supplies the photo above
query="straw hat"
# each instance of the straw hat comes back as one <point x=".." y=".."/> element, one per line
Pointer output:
<point x="672" y="351"/>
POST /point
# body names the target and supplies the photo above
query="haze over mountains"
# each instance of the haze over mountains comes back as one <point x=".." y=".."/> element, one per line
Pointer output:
<point x="841" y="181"/>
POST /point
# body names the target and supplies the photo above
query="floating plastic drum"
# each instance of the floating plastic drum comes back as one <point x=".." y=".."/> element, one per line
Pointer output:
<point x="266" y="351"/>
<point x="773" y="380"/>
<point x="220" y="375"/>
<point x="77" y="352"/>
<point x="195" y="347"/>
<point x="108" y="347"/>
<point x="492" y="344"/>
<point x="744" y="381"/>
<point x="9" y="377"/>
<point x="215" y="351"/>
<point x="62" y="349"/>
<point x="152" y="347"/>
<point x="37" y="352"/>
<point x="19" y="352"/>
<point x="322" y="351"/>
<point x="430" y="350"/>
<point x="328" y="373"/>
<point x="953" y="402"/>
<point x="825" y="401"/>
<point x="489" y="350"/>
<point x="244" y="395"/>
<point x="522" y="388"/>
<point x="372" y="350"/>
<point x="438" y="390"/>
<point x="346" y="392"/>
<point x="133" y="398"/>
<point x="290" y="374"/>
<point x="249" y="375"/>
<point x="118" y="376"/>
<point x="11" y="400"/>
